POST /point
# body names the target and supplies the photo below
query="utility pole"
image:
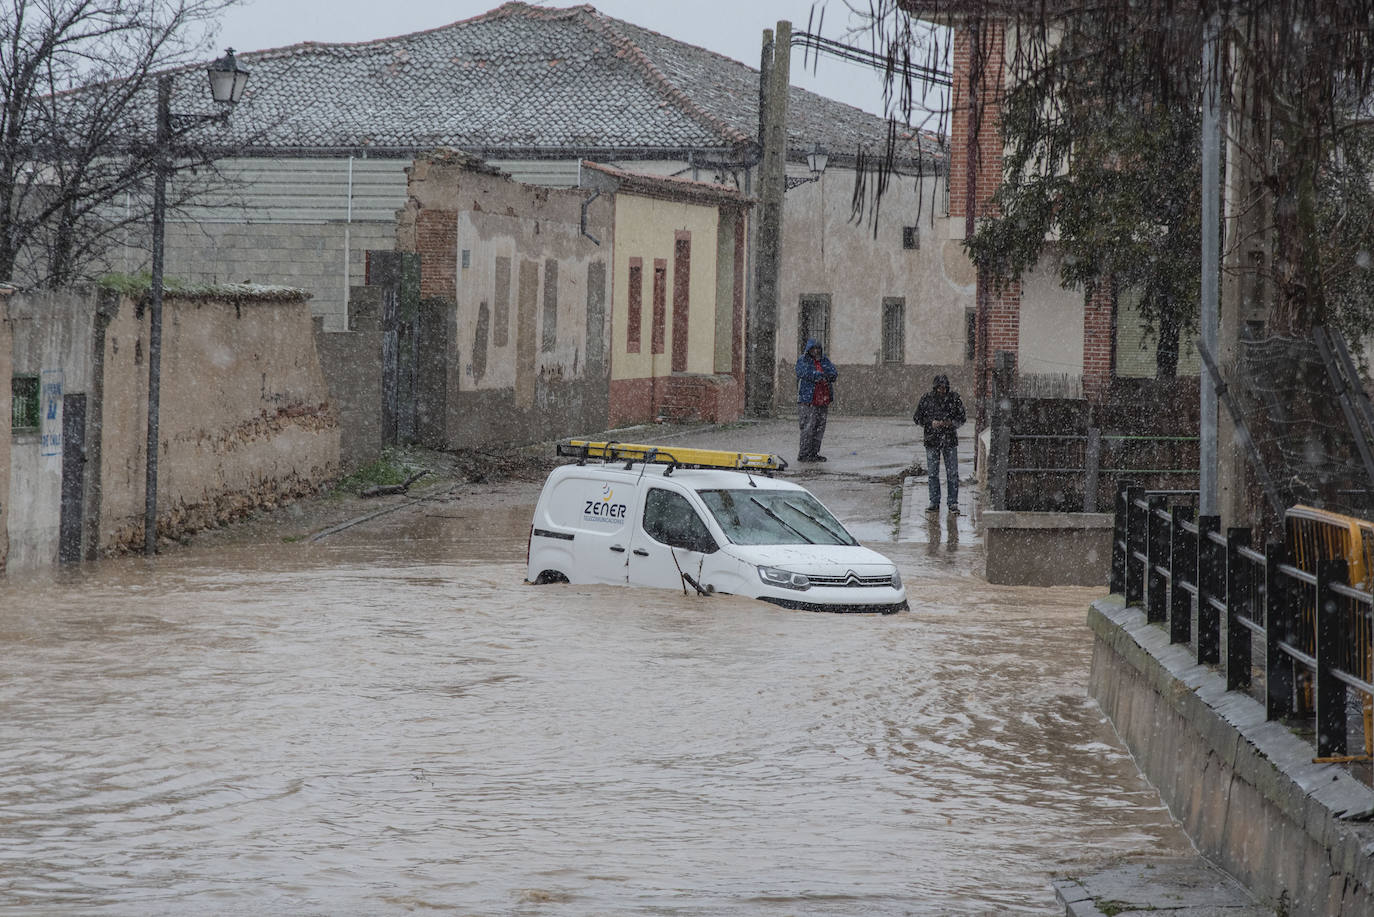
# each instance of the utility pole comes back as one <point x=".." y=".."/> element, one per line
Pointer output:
<point x="1211" y="264"/>
<point x="774" y="79"/>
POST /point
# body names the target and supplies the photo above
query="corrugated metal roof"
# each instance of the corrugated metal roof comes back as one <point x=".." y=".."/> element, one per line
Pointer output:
<point x="520" y="81"/>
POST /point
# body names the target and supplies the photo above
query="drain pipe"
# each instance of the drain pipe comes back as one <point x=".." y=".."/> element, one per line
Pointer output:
<point x="585" y="204"/>
<point x="348" y="245"/>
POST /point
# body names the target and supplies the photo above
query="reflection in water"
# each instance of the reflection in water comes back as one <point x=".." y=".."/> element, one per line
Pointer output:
<point x="388" y="721"/>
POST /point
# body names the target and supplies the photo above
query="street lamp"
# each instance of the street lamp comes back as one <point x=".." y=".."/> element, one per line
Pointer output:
<point x="816" y="161"/>
<point x="227" y="80"/>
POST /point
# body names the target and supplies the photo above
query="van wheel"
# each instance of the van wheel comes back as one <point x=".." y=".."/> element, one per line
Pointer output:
<point x="549" y="576"/>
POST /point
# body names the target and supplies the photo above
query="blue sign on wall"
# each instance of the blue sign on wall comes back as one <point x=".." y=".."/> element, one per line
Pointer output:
<point x="50" y="406"/>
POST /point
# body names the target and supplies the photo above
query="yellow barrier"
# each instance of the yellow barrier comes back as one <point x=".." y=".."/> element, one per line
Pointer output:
<point x="1318" y="534"/>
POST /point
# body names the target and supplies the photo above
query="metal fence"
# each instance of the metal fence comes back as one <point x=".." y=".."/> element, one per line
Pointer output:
<point x="1079" y="472"/>
<point x="1288" y="613"/>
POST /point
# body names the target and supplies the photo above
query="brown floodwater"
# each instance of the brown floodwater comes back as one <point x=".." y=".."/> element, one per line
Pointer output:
<point x="387" y="721"/>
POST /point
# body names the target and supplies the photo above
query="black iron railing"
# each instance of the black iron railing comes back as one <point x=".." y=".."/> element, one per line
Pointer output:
<point x="1225" y="599"/>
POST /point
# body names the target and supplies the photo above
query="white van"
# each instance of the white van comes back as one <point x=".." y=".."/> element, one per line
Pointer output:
<point x="703" y="520"/>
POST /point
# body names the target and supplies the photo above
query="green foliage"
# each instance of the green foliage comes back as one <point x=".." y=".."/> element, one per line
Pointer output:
<point x="1105" y="160"/>
<point x="387" y="470"/>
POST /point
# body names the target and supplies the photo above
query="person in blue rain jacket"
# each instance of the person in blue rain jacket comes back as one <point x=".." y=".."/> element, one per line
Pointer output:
<point x="815" y="391"/>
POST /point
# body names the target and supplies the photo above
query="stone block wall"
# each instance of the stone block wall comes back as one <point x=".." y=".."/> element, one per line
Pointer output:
<point x="323" y="259"/>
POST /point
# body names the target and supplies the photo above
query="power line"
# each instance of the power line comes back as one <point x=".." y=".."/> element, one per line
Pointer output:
<point x="820" y="45"/>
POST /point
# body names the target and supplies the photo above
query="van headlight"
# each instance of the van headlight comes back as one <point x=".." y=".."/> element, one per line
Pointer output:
<point x="784" y="578"/>
<point x="896" y="579"/>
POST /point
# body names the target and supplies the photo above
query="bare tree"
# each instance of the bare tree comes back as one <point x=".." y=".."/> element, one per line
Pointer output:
<point x="77" y="93"/>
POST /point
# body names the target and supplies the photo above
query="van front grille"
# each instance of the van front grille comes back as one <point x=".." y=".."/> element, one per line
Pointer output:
<point x="850" y="580"/>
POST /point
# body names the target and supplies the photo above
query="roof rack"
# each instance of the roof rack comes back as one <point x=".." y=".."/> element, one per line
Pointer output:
<point x="675" y="456"/>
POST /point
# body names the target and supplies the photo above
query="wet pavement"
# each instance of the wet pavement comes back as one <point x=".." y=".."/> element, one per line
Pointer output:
<point x="384" y="720"/>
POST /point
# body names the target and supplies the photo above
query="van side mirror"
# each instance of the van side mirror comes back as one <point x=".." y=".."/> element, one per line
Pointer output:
<point x="701" y="542"/>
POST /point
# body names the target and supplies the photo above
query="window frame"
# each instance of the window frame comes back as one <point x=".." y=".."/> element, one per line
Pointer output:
<point x="32" y="399"/>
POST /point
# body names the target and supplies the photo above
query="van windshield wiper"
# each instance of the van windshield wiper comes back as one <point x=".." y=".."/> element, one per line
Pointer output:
<point x="781" y="521"/>
<point x="839" y="539"/>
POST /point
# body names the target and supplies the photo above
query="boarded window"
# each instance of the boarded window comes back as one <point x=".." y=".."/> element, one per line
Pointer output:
<point x="596" y="313"/>
<point x="813" y="320"/>
<point x="634" y="313"/>
<point x="479" y="342"/>
<point x="682" y="297"/>
<point x="549" y="339"/>
<point x="660" y="305"/>
<point x="24" y="402"/>
<point x="894" y="329"/>
<point x="500" y="330"/>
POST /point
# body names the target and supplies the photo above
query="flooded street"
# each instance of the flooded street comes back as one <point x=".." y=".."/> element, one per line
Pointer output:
<point x="386" y="721"/>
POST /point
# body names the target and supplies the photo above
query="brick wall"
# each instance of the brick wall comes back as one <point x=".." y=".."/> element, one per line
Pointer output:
<point x="1097" y="344"/>
<point x="436" y="241"/>
<point x="984" y="160"/>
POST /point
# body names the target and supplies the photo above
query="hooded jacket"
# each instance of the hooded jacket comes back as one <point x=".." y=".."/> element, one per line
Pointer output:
<point x="934" y="406"/>
<point x="807" y="376"/>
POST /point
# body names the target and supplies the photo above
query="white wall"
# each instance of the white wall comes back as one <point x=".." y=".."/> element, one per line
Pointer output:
<point x="53" y="337"/>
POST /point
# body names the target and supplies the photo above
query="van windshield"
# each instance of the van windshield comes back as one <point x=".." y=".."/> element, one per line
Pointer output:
<point x="774" y="517"/>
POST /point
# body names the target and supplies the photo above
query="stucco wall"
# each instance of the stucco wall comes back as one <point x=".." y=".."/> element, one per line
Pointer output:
<point x="52" y="339"/>
<point x="824" y="251"/>
<point x="352" y="365"/>
<point x="530" y="298"/>
<point x="647" y="229"/>
<point x="1051" y="325"/>
<point x="244" y="418"/>
<point x="6" y="369"/>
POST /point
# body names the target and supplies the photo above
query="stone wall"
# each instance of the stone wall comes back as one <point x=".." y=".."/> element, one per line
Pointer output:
<point x="1245" y="789"/>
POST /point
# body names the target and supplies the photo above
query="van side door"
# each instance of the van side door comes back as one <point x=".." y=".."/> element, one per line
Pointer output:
<point x="671" y="539"/>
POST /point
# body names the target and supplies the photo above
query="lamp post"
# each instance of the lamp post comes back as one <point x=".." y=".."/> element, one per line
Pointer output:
<point x="816" y="161"/>
<point x="227" y="81"/>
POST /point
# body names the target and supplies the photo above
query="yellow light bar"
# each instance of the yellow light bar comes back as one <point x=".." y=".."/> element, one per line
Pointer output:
<point x="672" y="455"/>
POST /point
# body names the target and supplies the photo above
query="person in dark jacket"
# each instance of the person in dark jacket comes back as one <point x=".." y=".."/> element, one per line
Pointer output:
<point x="815" y="390"/>
<point x="941" y="412"/>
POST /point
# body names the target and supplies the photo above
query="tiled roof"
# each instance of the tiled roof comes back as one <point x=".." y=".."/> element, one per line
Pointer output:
<point x="521" y="81"/>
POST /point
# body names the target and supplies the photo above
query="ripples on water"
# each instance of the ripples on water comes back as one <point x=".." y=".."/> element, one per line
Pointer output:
<point x="370" y="726"/>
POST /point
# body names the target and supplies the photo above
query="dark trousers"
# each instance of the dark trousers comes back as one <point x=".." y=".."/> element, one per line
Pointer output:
<point x="950" y="456"/>
<point x="811" y="419"/>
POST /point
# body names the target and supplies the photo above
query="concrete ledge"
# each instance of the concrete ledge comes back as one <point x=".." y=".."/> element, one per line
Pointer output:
<point x="1189" y="887"/>
<point x="1245" y="789"/>
<point x="1047" y="549"/>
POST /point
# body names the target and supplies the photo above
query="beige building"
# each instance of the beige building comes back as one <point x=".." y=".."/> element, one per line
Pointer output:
<point x="891" y="308"/>
<point x="677" y="316"/>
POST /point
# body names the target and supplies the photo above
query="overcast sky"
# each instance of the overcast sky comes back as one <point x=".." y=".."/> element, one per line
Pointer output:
<point x="730" y="27"/>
